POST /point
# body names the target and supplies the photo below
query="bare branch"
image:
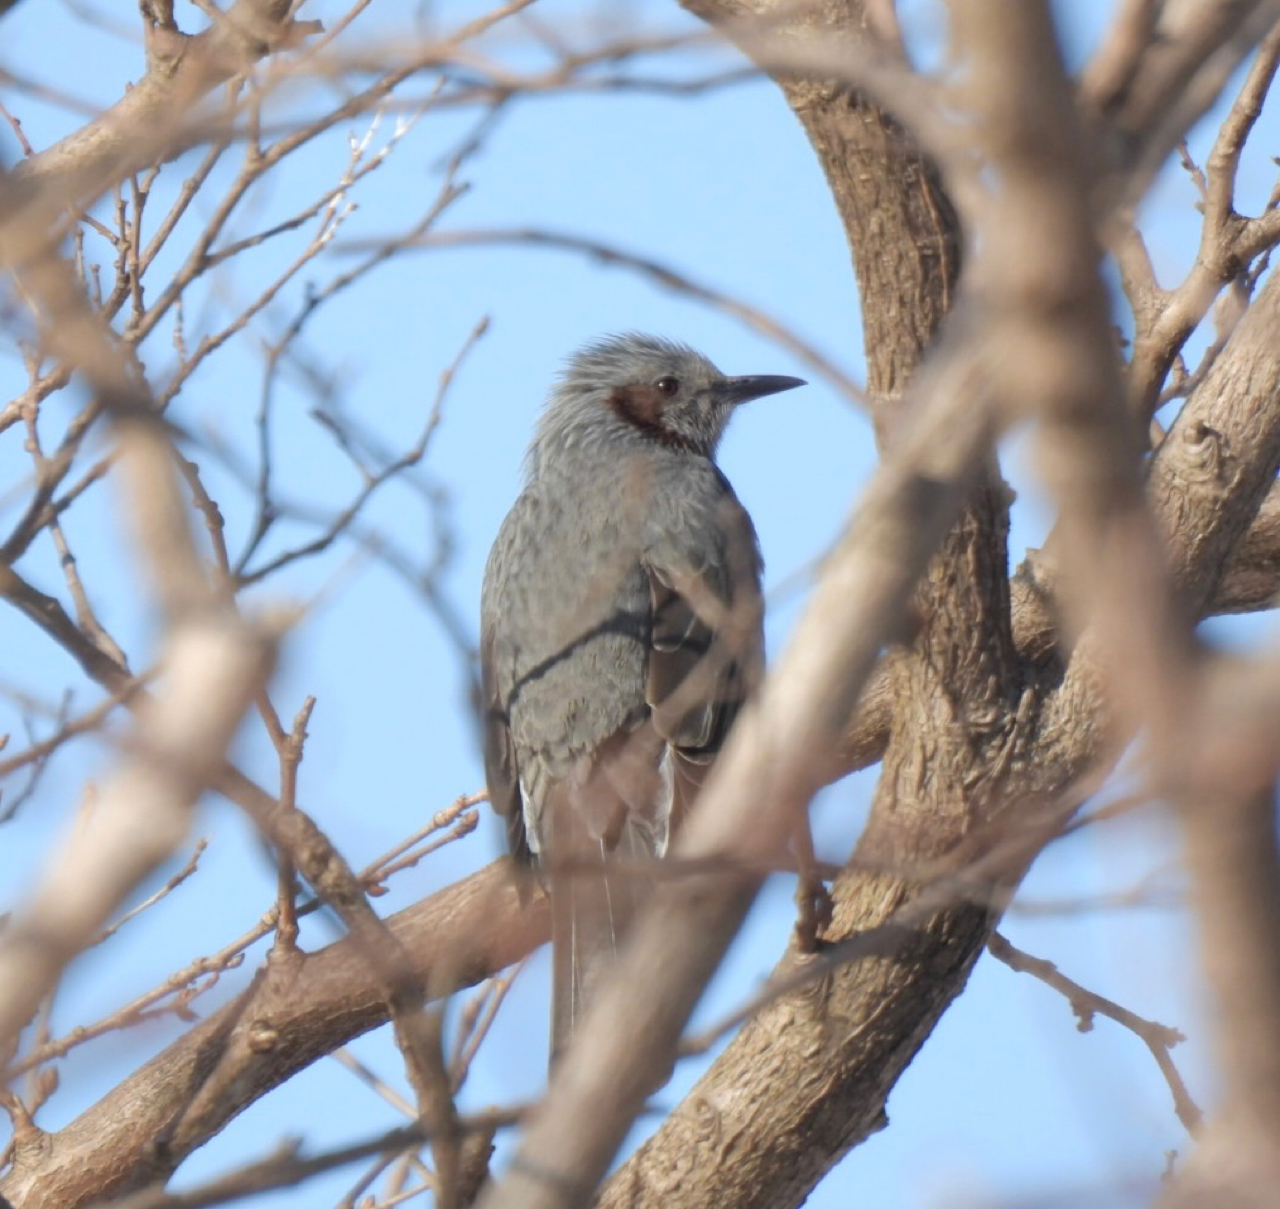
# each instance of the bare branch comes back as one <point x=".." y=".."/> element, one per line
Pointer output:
<point x="287" y="1167"/>
<point x="664" y="276"/>
<point x="274" y="1028"/>
<point x="1086" y="1004"/>
<point x="141" y="814"/>
<point x="1151" y="94"/>
<point x="144" y="126"/>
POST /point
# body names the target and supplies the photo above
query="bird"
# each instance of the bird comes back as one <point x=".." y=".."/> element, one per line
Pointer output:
<point x="621" y="632"/>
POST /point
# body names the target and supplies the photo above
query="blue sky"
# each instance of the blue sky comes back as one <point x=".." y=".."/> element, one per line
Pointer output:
<point x="1007" y="1103"/>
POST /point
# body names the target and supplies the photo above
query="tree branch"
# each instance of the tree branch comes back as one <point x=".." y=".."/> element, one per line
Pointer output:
<point x="145" y="124"/>
<point x="288" y="1017"/>
<point x="776" y="1130"/>
<point x="1158" y="1038"/>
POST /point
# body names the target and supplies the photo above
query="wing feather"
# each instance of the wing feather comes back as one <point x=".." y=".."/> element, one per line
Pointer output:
<point x="501" y="771"/>
<point x="706" y="650"/>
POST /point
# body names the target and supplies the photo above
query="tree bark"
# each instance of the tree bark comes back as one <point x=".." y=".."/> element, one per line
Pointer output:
<point x="978" y="740"/>
<point x="294" y="1012"/>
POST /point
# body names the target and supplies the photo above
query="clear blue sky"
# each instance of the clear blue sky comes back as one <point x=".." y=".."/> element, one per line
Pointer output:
<point x="1007" y="1103"/>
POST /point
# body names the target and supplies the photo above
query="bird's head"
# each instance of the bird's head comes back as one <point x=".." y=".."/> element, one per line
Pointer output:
<point x="663" y="390"/>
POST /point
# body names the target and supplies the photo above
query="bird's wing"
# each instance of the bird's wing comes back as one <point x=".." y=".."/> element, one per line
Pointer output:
<point x="500" y="770"/>
<point x="706" y="651"/>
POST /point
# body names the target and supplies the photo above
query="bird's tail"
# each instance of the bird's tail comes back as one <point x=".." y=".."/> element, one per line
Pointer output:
<point x="593" y="899"/>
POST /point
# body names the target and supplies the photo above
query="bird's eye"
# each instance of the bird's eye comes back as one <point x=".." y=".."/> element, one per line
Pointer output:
<point x="668" y="386"/>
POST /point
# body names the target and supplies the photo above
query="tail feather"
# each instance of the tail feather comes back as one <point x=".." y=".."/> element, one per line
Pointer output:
<point x="593" y="900"/>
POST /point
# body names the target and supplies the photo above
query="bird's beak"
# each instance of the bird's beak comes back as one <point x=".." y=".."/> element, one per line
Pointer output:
<point x="755" y="386"/>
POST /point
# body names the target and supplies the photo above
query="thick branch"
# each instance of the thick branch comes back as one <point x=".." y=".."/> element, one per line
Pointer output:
<point x="1251" y="583"/>
<point x="1179" y="56"/>
<point x="782" y="1116"/>
<point x="291" y="1014"/>
<point x="144" y="124"/>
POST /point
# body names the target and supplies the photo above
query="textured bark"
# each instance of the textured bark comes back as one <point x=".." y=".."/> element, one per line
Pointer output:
<point x="1252" y="578"/>
<point x="902" y="229"/>
<point x="974" y="736"/>
<point x="293" y="1013"/>
<point x="976" y="725"/>
<point x="807" y="1078"/>
<point x="1250" y="583"/>
<point x="1218" y="463"/>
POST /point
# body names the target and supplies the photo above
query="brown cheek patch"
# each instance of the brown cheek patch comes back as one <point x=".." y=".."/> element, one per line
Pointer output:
<point x="642" y="407"/>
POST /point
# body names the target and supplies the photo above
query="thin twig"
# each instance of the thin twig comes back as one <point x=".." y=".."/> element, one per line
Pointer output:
<point x="1158" y="1038"/>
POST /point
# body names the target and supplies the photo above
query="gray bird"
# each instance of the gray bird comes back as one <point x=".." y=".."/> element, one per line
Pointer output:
<point x="620" y="634"/>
